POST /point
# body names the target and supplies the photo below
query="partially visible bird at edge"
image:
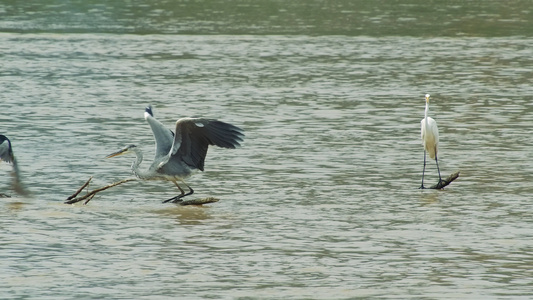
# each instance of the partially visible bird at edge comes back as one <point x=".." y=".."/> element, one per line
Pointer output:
<point x="178" y="155"/>
<point x="430" y="139"/>
<point x="6" y="154"/>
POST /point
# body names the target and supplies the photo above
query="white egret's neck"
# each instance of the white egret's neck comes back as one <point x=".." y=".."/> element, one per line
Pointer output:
<point x="426" y="113"/>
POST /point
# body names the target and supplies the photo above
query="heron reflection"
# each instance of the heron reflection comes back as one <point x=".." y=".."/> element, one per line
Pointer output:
<point x="6" y="154"/>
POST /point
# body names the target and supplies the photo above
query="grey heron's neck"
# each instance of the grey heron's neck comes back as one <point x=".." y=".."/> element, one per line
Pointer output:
<point x="135" y="166"/>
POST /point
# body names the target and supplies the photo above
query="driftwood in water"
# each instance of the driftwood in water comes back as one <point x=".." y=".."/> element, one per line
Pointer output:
<point x="444" y="182"/>
<point x="198" y="201"/>
<point x="74" y="197"/>
<point x="80" y="189"/>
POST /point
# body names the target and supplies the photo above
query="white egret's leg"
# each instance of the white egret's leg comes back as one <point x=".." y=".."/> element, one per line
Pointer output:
<point x="423" y="170"/>
<point x="437" y="162"/>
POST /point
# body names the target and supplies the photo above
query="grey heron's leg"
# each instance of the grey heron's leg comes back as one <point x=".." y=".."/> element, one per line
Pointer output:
<point x="178" y="197"/>
<point x="179" y="187"/>
<point x="423" y="170"/>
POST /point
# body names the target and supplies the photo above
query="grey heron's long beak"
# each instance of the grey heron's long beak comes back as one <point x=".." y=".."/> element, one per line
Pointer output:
<point x="119" y="152"/>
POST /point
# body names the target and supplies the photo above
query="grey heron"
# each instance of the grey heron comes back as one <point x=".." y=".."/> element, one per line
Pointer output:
<point x="6" y="154"/>
<point x="179" y="154"/>
<point x="430" y="139"/>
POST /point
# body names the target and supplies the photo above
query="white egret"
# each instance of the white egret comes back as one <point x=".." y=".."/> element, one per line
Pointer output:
<point x="430" y="139"/>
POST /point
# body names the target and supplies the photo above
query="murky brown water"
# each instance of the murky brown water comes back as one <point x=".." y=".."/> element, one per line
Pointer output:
<point x="320" y="202"/>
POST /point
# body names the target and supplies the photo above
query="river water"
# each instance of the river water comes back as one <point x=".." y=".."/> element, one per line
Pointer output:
<point x="322" y="199"/>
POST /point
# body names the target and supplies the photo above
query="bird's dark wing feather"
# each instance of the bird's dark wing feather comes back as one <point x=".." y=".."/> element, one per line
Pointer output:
<point x="194" y="135"/>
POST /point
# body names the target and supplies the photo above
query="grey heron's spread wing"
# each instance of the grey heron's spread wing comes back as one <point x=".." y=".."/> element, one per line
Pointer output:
<point x="163" y="136"/>
<point x="6" y="154"/>
<point x="194" y="135"/>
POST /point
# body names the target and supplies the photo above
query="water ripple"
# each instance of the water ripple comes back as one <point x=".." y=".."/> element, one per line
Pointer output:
<point x="320" y="202"/>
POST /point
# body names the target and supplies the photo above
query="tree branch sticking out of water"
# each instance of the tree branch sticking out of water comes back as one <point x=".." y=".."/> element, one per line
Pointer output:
<point x="444" y="182"/>
<point x="75" y="199"/>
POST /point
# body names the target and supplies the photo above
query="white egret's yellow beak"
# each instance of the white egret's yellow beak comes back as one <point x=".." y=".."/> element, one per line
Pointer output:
<point x="427" y="98"/>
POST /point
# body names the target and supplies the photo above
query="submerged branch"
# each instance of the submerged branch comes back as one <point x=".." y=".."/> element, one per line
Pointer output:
<point x="80" y="189"/>
<point x="444" y="182"/>
<point x="73" y="199"/>
<point x="198" y="201"/>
